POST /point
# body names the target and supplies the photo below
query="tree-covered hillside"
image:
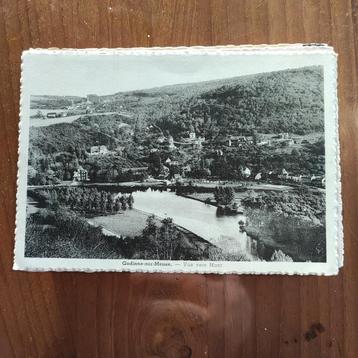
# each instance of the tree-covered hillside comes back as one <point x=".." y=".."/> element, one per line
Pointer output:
<point x="282" y="101"/>
<point x="87" y="131"/>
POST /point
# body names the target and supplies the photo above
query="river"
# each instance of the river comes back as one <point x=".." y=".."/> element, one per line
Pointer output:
<point x="197" y="217"/>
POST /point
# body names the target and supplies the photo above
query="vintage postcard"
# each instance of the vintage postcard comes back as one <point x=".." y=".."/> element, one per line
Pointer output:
<point x="201" y="159"/>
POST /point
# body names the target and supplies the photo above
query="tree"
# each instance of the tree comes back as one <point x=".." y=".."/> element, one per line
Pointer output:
<point x="278" y="255"/>
<point x="220" y="168"/>
<point x="130" y="201"/>
<point x="151" y="227"/>
<point x="110" y="202"/>
<point x="167" y="239"/>
<point x="123" y="200"/>
<point x="32" y="174"/>
<point x="155" y="164"/>
<point x="103" y="203"/>
<point x="224" y="195"/>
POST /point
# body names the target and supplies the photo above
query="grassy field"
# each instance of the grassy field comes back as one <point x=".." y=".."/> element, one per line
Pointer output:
<point x="127" y="223"/>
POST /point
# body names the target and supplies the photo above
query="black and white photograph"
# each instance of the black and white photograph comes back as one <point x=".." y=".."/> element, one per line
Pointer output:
<point x="218" y="160"/>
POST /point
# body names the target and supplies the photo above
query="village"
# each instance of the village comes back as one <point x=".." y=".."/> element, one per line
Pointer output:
<point x="159" y="157"/>
<point x="176" y="167"/>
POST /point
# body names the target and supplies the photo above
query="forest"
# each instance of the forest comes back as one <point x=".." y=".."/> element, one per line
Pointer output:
<point x="83" y="200"/>
<point x="282" y="101"/>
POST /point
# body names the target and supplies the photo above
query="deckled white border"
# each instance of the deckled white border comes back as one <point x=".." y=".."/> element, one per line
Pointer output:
<point x="334" y="225"/>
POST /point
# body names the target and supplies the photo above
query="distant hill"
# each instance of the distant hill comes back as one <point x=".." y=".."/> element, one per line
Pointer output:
<point x="54" y="102"/>
<point x="281" y="101"/>
<point x="85" y="132"/>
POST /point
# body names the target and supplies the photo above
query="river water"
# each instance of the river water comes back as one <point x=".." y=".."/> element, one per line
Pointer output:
<point x="197" y="217"/>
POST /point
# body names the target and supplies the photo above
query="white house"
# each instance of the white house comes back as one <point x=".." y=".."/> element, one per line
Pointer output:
<point x="245" y="172"/>
<point x="98" y="149"/>
<point x="161" y="139"/>
<point x="80" y="175"/>
<point x="171" y="142"/>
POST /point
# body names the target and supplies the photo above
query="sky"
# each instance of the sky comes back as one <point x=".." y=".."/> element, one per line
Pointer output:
<point x="80" y="75"/>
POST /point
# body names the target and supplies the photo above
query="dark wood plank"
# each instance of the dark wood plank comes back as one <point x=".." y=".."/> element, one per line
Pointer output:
<point x="153" y="315"/>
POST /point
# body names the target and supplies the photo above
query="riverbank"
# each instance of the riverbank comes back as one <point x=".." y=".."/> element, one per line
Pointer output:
<point x="293" y="222"/>
<point x="307" y="206"/>
<point x="206" y="198"/>
<point x="199" y="185"/>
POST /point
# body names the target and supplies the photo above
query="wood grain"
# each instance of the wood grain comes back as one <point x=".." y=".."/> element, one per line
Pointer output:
<point x="157" y="315"/>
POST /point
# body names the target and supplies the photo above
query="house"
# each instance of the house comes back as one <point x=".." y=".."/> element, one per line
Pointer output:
<point x="80" y="175"/>
<point x="249" y="139"/>
<point x="258" y="176"/>
<point x="161" y="139"/>
<point x="164" y="172"/>
<point x="192" y="135"/>
<point x="323" y="182"/>
<point x="263" y="143"/>
<point x="98" y="150"/>
<point x="177" y="177"/>
<point x="199" y="141"/>
<point x="186" y="169"/>
<point x="287" y="142"/>
<point x="283" y="139"/>
<point x="282" y="136"/>
<point x="235" y="140"/>
<point x="52" y="115"/>
<point x="171" y="163"/>
<point x="318" y="180"/>
<point x="245" y="172"/>
<point x="290" y="177"/>
<point x="284" y="174"/>
<point x="238" y="140"/>
<point x="296" y="178"/>
<point x="171" y="143"/>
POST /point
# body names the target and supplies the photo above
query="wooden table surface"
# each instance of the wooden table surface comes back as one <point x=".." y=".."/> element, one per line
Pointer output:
<point x="158" y="315"/>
